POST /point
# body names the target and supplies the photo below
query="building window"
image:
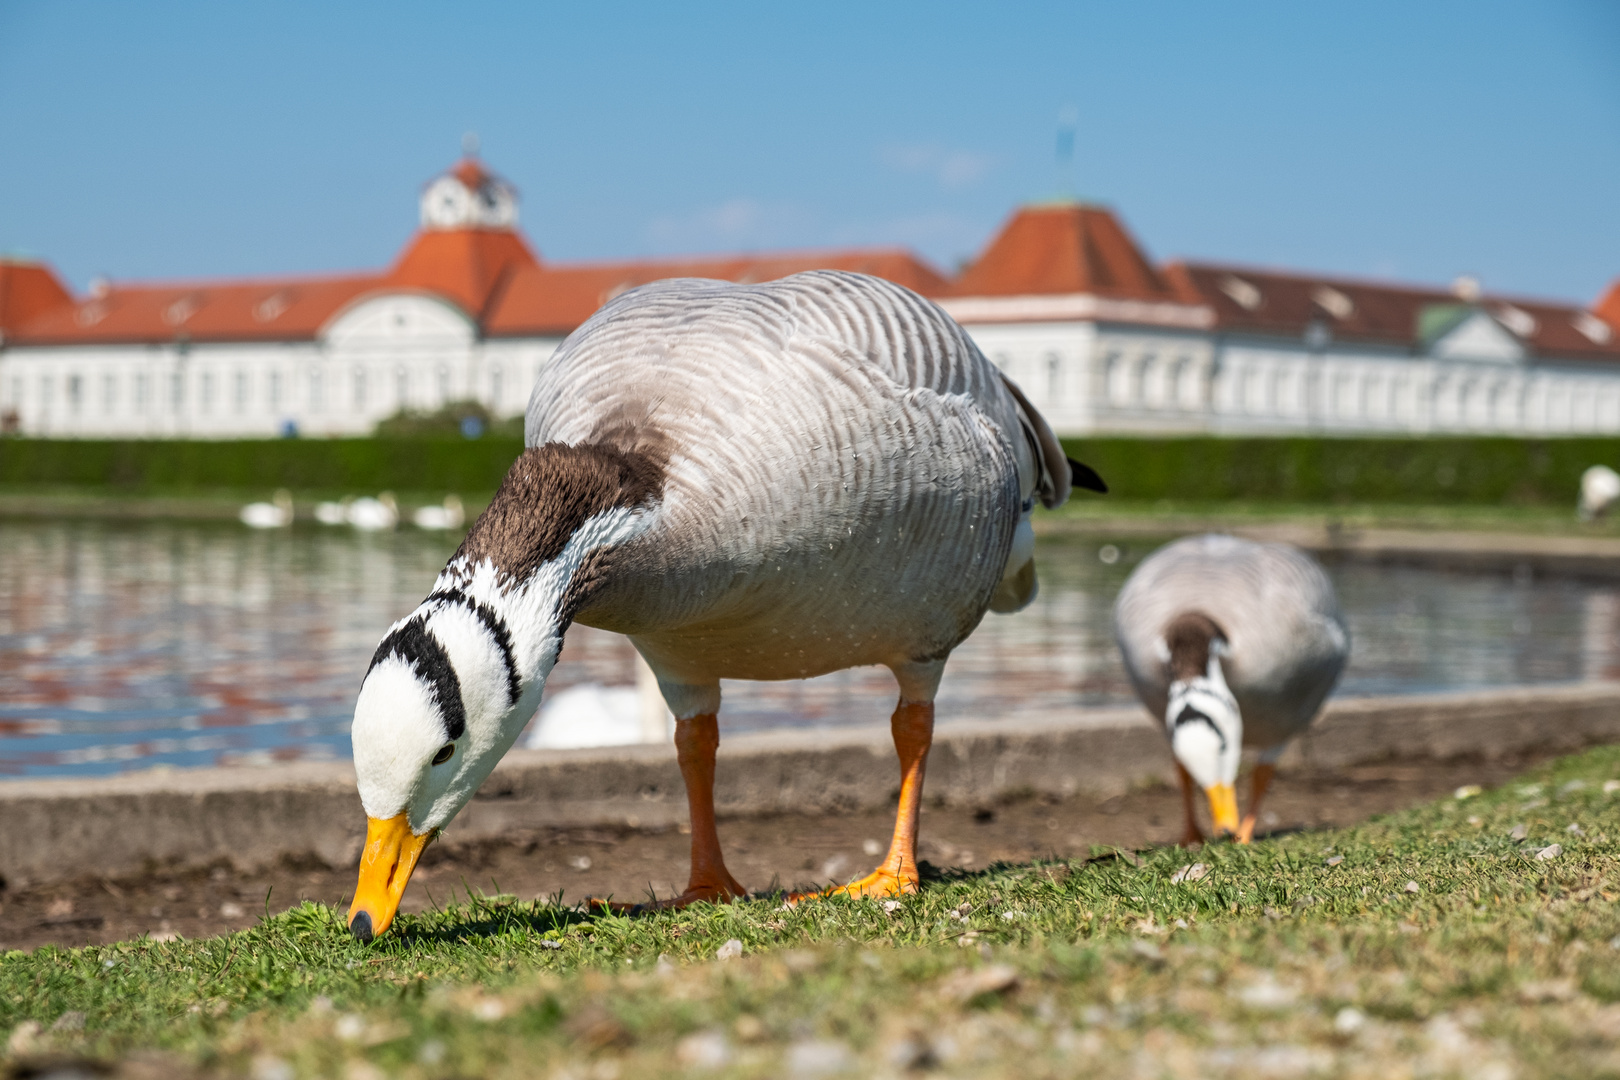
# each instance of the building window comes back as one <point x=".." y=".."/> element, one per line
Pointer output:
<point x="75" y="391"/>
<point x="177" y="390"/>
<point x="444" y="384"/>
<point x="316" y="390"/>
<point x="402" y="387"/>
<point x="495" y="386"/>
<point x="359" y="389"/>
<point x="1054" y="377"/>
<point x="46" y="390"/>
<point x="205" y="392"/>
<point x="16" y="391"/>
<point x="275" y="389"/>
<point x="142" y="388"/>
<point x="241" y="390"/>
<point x="109" y="393"/>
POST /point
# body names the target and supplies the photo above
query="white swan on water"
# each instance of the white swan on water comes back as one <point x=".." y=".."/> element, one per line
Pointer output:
<point x="275" y="514"/>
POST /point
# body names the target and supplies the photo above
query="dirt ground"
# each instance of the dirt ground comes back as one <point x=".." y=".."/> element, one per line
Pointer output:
<point x="783" y="850"/>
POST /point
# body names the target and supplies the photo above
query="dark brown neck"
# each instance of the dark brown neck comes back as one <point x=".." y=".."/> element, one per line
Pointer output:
<point x="551" y="491"/>
<point x="1189" y="637"/>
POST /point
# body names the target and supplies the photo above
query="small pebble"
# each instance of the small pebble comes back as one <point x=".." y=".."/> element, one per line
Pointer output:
<point x="1467" y="791"/>
<point x="729" y="951"/>
<point x="1575" y="829"/>
<point x="1520" y="831"/>
<point x="1349" y="1021"/>
<point x="1412" y="887"/>
<point x="1335" y="860"/>
<point x="1611" y="786"/>
<point x="1551" y="851"/>
<point x="1194" y="872"/>
<point x="891" y="906"/>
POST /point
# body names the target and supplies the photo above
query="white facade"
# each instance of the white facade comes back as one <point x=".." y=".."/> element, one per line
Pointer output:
<point x="382" y="354"/>
<point x="413" y="351"/>
<point x="1112" y="378"/>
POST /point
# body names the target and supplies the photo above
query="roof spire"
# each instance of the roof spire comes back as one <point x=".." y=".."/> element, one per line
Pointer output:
<point x="1063" y="158"/>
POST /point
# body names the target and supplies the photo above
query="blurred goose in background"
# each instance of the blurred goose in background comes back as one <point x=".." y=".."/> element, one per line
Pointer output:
<point x="1233" y="643"/>
<point x="1600" y="487"/>
<point x="449" y="515"/>
<point x="374" y="515"/>
<point x="766" y="481"/>
<point x="276" y="514"/>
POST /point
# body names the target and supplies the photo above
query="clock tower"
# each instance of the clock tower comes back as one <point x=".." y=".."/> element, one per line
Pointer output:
<point x="469" y="197"/>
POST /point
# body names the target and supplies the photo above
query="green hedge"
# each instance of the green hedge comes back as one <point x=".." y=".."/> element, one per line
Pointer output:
<point x="337" y="465"/>
<point x="1478" y="471"/>
<point x="1302" y="470"/>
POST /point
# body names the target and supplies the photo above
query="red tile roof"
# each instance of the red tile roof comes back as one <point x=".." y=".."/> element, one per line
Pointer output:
<point x="285" y="309"/>
<point x="1608" y="308"/>
<point x="554" y="299"/>
<point x="1064" y="248"/>
<point x="469" y="266"/>
<point x="1274" y="303"/>
<point x="27" y="290"/>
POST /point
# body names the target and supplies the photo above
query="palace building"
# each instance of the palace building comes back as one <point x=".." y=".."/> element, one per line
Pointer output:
<point x="1063" y="300"/>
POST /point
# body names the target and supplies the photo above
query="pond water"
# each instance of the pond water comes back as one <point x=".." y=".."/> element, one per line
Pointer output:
<point x="130" y="645"/>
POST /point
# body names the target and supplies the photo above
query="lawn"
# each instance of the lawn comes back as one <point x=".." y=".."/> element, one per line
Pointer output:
<point x="1473" y="937"/>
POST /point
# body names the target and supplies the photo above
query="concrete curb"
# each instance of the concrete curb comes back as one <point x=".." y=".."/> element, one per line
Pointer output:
<point x="62" y="829"/>
<point x="1591" y="557"/>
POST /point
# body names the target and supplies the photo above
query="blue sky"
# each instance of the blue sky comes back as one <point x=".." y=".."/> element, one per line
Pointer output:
<point x="1408" y="140"/>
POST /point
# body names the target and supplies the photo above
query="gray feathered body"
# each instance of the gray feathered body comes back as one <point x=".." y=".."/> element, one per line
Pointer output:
<point x="844" y="472"/>
<point x="1286" y="639"/>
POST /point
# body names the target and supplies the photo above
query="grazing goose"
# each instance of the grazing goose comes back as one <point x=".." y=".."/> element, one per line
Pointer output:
<point x="765" y="481"/>
<point x="1234" y="644"/>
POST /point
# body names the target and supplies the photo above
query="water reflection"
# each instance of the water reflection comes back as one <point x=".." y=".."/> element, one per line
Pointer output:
<point x="129" y="645"/>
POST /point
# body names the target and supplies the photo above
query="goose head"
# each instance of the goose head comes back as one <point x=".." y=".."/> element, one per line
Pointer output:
<point x="454" y="683"/>
<point x="1202" y="717"/>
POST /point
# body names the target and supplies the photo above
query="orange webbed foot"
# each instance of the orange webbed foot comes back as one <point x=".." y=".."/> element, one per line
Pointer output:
<point x="882" y="882"/>
<point x="1245" y="833"/>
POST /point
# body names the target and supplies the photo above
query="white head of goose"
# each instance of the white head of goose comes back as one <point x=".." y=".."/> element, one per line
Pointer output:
<point x="751" y="482"/>
<point x="1232" y="643"/>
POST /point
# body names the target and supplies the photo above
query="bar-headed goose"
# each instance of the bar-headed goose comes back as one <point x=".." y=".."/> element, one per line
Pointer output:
<point x="751" y="482"/>
<point x="1233" y="643"/>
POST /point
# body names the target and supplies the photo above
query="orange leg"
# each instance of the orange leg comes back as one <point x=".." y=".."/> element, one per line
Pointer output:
<point x="1262" y="780"/>
<point x="1191" y="834"/>
<point x="695" y="743"/>
<point x="913" y="727"/>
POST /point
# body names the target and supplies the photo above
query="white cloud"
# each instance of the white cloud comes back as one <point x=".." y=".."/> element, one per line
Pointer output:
<point x="951" y="168"/>
<point x="739" y="222"/>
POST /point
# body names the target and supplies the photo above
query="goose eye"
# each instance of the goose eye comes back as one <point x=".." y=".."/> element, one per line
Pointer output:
<point x="444" y="753"/>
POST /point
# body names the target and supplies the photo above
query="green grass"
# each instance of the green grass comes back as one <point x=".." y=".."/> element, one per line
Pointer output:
<point x="1275" y="962"/>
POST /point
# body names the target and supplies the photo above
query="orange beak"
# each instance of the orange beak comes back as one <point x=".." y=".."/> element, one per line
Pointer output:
<point x="1223" y="808"/>
<point x="385" y="869"/>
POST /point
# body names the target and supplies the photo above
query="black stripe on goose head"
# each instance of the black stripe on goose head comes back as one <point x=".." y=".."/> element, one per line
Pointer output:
<point x="1190" y="715"/>
<point x="414" y="644"/>
<point x="497" y="631"/>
